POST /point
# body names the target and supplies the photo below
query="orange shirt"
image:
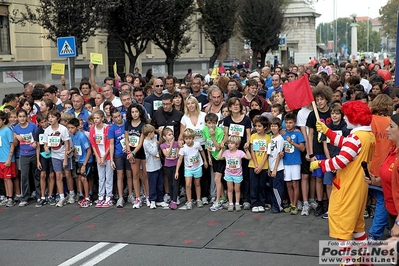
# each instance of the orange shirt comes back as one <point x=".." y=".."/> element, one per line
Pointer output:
<point x="379" y="125"/>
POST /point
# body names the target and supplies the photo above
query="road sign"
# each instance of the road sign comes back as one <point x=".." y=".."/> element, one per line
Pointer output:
<point x="66" y="46"/>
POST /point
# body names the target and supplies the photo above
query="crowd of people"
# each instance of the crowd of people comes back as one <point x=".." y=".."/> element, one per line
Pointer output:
<point x="230" y="141"/>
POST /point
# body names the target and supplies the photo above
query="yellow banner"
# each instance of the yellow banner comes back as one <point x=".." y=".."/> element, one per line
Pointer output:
<point x="115" y="68"/>
<point x="96" y="58"/>
<point x="215" y="72"/>
<point x="57" y="68"/>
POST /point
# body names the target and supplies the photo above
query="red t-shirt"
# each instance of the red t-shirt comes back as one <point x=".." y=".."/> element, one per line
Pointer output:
<point x="387" y="176"/>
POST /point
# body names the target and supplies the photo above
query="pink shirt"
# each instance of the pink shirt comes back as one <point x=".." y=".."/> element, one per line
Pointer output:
<point x="233" y="162"/>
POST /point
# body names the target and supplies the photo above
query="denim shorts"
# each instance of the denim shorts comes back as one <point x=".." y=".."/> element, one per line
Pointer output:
<point x="328" y="178"/>
<point x="232" y="178"/>
<point x="196" y="173"/>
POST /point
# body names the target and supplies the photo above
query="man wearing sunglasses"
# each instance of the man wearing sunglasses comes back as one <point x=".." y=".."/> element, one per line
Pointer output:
<point x="155" y="98"/>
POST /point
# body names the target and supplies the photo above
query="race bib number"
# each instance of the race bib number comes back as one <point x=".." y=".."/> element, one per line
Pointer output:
<point x="260" y="145"/>
<point x="54" y="141"/>
<point x="173" y="154"/>
<point x="288" y="148"/>
<point x="78" y="150"/>
<point x="156" y="104"/>
<point x="209" y="145"/>
<point x="233" y="163"/>
<point x="26" y="138"/>
<point x="123" y="143"/>
<point x="41" y="139"/>
<point x="198" y="133"/>
<point x="1" y="143"/>
<point x="236" y="130"/>
<point x="99" y="139"/>
<point x="194" y="161"/>
<point x="133" y="141"/>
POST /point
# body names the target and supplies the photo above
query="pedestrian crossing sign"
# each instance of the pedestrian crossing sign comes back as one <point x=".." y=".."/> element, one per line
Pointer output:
<point x="66" y="46"/>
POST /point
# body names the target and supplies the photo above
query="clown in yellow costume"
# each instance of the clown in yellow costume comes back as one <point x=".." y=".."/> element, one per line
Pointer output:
<point x="349" y="192"/>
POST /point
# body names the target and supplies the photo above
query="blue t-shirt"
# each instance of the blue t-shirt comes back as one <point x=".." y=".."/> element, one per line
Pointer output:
<point x="81" y="143"/>
<point x="26" y="133"/>
<point x="291" y="154"/>
<point x="6" y="137"/>
<point x="118" y="134"/>
<point x="271" y="90"/>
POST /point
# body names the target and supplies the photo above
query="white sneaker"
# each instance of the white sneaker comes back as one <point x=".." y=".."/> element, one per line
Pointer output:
<point x="130" y="199"/>
<point x="255" y="209"/>
<point x="205" y="201"/>
<point x="299" y="205"/>
<point x="71" y="199"/>
<point x="166" y="198"/>
<point x="261" y="209"/>
<point x="137" y="204"/>
<point x="147" y="201"/>
<point x="153" y="205"/>
<point x="178" y="200"/>
<point x="305" y="210"/>
<point x="61" y="202"/>
<point x="213" y="199"/>
<point x="162" y="204"/>
<point x="119" y="203"/>
<point x="313" y="204"/>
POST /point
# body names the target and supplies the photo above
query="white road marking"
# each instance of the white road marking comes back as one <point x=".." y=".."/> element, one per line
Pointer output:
<point x="104" y="254"/>
<point x="84" y="254"/>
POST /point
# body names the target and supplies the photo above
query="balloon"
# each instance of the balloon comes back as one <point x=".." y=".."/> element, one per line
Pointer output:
<point x="386" y="61"/>
<point x="385" y="74"/>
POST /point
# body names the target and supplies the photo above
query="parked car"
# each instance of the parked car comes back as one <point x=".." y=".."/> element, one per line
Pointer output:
<point x="228" y="64"/>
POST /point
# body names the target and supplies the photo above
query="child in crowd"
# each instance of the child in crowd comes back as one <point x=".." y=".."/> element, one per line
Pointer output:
<point x="56" y="138"/>
<point x="12" y="122"/>
<point x="233" y="172"/>
<point x="85" y="159"/>
<point x="225" y="113"/>
<point x="154" y="167"/>
<point x="194" y="158"/>
<point x="277" y="110"/>
<point x="65" y="117"/>
<point x="23" y="133"/>
<point x="135" y="120"/>
<point x="7" y="160"/>
<point x="116" y="135"/>
<point x="170" y="149"/>
<point x="258" y="164"/>
<point x="213" y="138"/>
<point x="294" y="144"/>
<point x="43" y="162"/>
<point x="100" y="142"/>
<point x="276" y="166"/>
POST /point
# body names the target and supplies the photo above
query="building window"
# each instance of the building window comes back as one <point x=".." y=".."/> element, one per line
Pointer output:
<point x="5" y="47"/>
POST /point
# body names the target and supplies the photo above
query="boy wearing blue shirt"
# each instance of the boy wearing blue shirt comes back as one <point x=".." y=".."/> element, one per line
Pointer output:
<point x="294" y="144"/>
<point x="84" y="154"/>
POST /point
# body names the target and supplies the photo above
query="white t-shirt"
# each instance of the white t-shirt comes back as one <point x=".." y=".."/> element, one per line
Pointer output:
<point x="276" y="146"/>
<point x="302" y="117"/>
<point x="186" y="121"/>
<point x="100" y="138"/>
<point x="192" y="156"/>
<point x="55" y="140"/>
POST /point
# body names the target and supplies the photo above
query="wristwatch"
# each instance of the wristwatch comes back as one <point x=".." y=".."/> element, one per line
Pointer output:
<point x="397" y="223"/>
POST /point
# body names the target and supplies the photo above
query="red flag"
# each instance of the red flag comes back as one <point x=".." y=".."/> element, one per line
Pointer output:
<point x="297" y="93"/>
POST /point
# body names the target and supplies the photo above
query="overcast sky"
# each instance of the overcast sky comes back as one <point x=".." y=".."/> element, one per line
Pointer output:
<point x="345" y="8"/>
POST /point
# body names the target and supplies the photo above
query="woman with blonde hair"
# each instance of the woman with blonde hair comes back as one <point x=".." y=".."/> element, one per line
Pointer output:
<point x="194" y="119"/>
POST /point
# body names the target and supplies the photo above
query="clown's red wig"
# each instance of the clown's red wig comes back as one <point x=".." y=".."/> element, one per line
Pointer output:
<point x="357" y="112"/>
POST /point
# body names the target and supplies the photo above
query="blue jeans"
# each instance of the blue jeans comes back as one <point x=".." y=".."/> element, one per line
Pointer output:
<point x="380" y="220"/>
<point x="277" y="186"/>
<point x="258" y="188"/>
<point x="155" y="184"/>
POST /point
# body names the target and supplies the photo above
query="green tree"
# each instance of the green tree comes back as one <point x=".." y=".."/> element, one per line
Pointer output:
<point x="172" y="35"/>
<point x="218" y="19"/>
<point x="64" y="18"/>
<point x="389" y="18"/>
<point x="134" y="23"/>
<point x="261" y="22"/>
<point x="374" y="38"/>
<point x="325" y="33"/>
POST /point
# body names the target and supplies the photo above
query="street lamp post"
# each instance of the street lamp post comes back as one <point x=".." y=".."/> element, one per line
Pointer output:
<point x="368" y="29"/>
<point x="347" y="44"/>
